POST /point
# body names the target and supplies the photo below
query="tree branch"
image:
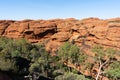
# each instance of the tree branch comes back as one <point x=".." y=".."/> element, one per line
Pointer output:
<point x="101" y="65"/>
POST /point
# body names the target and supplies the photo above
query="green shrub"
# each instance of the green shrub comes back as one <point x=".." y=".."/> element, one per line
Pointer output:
<point x="99" y="51"/>
<point x="71" y="76"/>
<point x="113" y="72"/>
<point x="71" y="53"/>
<point x="8" y="65"/>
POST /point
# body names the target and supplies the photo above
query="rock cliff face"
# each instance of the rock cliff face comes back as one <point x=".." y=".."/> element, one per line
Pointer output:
<point x="85" y="33"/>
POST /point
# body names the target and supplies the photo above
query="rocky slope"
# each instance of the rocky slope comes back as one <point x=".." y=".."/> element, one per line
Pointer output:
<point x="85" y="33"/>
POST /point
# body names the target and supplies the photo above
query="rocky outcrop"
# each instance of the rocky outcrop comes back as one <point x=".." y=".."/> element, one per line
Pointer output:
<point x="85" y="33"/>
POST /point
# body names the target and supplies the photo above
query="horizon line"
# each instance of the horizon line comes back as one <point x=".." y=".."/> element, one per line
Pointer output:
<point x="60" y="18"/>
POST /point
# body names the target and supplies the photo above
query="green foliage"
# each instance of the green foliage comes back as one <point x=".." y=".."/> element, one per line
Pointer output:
<point x="112" y="67"/>
<point x="113" y="71"/>
<point x="99" y="51"/>
<point x="14" y="53"/>
<point x="88" y="66"/>
<point x="70" y="52"/>
<point x="71" y="76"/>
<point x="81" y="58"/>
<point x="44" y="65"/>
<point x="23" y="58"/>
<point x="34" y="67"/>
<point x="8" y="65"/>
<point x="13" y="48"/>
<point x="52" y="66"/>
<point x="110" y="52"/>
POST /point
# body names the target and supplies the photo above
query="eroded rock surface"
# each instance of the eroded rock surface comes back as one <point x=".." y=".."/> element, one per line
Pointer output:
<point x="85" y="33"/>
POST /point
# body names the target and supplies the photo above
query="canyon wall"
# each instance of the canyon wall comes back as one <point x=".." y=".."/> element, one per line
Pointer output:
<point x="85" y="33"/>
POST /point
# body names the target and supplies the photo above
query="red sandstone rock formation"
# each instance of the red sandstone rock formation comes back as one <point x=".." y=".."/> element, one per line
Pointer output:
<point x="85" y="33"/>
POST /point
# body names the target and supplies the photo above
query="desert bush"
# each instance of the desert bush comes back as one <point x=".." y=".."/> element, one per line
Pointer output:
<point x="71" y="76"/>
<point x="113" y="72"/>
<point x="71" y="53"/>
<point x="15" y="55"/>
<point x="104" y="58"/>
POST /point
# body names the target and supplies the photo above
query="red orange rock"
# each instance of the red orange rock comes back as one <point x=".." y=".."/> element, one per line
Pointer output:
<point x="89" y="31"/>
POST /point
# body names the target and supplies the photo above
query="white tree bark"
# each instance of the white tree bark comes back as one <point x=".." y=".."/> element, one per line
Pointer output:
<point x="99" y="71"/>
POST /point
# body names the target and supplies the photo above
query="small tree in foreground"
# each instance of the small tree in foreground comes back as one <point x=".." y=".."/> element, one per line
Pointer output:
<point x="102" y="56"/>
<point x="71" y="53"/>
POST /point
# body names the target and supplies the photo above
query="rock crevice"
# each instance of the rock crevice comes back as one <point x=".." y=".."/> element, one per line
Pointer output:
<point x="90" y="31"/>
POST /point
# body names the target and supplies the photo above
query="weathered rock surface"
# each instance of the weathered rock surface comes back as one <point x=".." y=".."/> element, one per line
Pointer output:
<point x="85" y="33"/>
